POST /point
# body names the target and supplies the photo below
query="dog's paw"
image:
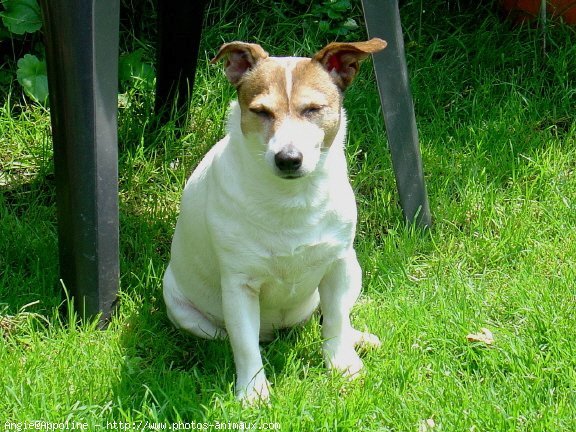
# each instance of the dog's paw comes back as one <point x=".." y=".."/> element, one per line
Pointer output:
<point x="349" y="365"/>
<point x="365" y="340"/>
<point x="255" y="393"/>
<point x="344" y="360"/>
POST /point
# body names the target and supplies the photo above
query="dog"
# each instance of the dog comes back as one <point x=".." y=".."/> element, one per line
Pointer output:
<point x="267" y="219"/>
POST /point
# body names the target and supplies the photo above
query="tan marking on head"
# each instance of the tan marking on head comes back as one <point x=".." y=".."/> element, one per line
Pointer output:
<point x="298" y="88"/>
<point x="316" y="98"/>
<point x="291" y="102"/>
<point x="262" y="97"/>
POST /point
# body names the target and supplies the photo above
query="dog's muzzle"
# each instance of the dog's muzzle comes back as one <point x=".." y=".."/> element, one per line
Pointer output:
<point x="289" y="161"/>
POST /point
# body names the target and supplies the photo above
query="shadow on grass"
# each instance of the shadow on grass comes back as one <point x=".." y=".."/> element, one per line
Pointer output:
<point x="28" y="246"/>
<point x="166" y="372"/>
<point x="171" y="375"/>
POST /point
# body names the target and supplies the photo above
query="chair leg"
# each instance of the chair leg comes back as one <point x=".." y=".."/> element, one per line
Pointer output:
<point x="383" y="20"/>
<point x="179" y="31"/>
<point x="82" y="60"/>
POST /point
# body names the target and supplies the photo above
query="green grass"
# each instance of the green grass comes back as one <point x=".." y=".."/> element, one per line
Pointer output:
<point x="498" y="135"/>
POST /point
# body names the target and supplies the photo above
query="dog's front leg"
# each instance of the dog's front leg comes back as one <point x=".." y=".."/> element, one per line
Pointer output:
<point x="241" y="307"/>
<point x="339" y="290"/>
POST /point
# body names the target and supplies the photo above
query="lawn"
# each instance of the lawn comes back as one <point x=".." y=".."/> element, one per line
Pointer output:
<point x="497" y="125"/>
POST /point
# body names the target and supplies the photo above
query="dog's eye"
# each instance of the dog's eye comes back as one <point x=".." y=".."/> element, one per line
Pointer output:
<point x="262" y="112"/>
<point x="311" y="110"/>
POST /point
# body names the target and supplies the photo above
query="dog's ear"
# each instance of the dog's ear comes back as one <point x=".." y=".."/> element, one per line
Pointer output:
<point x="240" y="58"/>
<point x="341" y="59"/>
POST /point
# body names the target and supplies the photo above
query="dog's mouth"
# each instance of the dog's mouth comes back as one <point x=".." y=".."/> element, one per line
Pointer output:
<point x="290" y="175"/>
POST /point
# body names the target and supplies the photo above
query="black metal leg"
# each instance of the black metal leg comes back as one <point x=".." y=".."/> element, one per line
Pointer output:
<point x="82" y="59"/>
<point x="179" y="31"/>
<point x="383" y="20"/>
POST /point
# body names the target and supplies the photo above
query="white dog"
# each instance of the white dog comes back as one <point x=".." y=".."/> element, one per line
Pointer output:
<point x="268" y="217"/>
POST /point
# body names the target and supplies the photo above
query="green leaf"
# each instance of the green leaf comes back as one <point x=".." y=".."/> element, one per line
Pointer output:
<point x="333" y="14"/>
<point x="350" y="24"/>
<point x="31" y="74"/>
<point x="21" y="16"/>
<point x="340" y="5"/>
<point x="131" y="67"/>
<point x="324" y="26"/>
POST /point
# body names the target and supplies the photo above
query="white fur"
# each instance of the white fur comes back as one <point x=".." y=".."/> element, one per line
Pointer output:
<point x="254" y="252"/>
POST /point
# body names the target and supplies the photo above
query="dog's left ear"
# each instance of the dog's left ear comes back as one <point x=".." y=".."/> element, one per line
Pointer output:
<point x="341" y="59"/>
<point x="240" y="58"/>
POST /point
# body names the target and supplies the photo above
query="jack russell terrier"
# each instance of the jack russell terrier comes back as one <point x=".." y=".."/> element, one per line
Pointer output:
<point x="267" y="219"/>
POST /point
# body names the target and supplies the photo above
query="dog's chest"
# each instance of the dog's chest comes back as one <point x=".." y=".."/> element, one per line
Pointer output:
<point x="290" y="270"/>
<point x="289" y="267"/>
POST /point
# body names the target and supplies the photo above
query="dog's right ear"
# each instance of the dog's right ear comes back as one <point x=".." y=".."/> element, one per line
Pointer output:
<point x="240" y="58"/>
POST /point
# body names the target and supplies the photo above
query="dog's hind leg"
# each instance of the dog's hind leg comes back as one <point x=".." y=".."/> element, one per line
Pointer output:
<point x="184" y="315"/>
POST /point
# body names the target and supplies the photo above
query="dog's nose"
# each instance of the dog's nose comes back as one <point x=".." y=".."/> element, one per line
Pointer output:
<point x="289" y="159"/>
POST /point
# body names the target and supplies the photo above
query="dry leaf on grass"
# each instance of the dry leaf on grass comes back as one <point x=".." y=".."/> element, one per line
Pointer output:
<point x="485" y="336"/>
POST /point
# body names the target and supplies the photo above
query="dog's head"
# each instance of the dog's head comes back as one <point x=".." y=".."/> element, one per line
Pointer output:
<point x="291" y="106"/>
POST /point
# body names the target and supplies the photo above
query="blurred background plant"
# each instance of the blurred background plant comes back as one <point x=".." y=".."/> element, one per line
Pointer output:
<point x="333" y="17"/>
<point x="20" y="43"/>
<point x="22" y="53"/>
<point x="22" y="49"/>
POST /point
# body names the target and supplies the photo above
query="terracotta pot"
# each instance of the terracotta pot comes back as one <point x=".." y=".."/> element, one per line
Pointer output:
<point x="527" y="10"/>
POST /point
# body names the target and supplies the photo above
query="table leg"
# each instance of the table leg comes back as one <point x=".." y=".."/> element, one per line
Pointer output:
<point x="179" y="31"/>
<point x="82" y="60"/>
<point x="383" y="21"/>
